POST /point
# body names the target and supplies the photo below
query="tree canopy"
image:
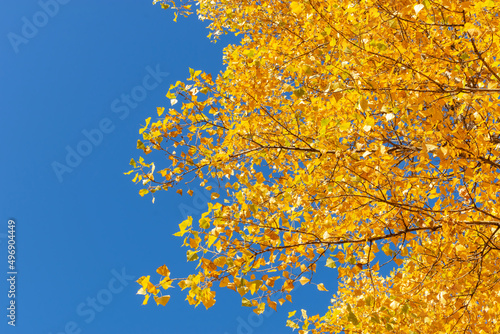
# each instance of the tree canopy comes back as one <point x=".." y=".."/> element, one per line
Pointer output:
<point x="355" y="134"/>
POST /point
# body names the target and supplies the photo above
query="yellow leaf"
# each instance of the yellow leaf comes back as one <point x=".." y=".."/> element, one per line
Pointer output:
<point x="151" y="288"/>
<point x="146" y="126"/>
<point x="430" y="147"/>
<point x="208" y="298"/>
<point x="145" y="301"/>
<point x="260" y="309"/>
<point x="297" y="8"/>
<point x="418" y="8"/>
<point x="321" y="287"/>
<point x="144" y="281"/>
<point x="272" y="305"/>
<point x="166" y="283"/>
<point x="162" y="300"/>
<point x="363" y="103"/>
<point x="303" y="280"/>
<point x="163" y="270"/>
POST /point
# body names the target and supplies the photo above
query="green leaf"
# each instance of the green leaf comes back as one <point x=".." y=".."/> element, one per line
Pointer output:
<point x="245" y="302"/>
<point x="204" y="223"/>
<point x="299" y="92"/>
<point x="330" y="263"/>
<point x="192" y="256"/>
<point x="387" y="250"/>
<point x="381" y="46"/>
<point x="324" y="124"/>
<point x="352" y="317"/>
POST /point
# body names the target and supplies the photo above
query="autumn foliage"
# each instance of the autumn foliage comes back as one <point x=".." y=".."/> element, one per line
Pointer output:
<point x="355" y="134"/>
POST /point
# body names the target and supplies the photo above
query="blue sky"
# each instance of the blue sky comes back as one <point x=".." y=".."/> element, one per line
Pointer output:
<point x="80" y="77"/>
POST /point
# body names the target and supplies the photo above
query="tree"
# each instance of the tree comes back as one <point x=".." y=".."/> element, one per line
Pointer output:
<point x="351" y="133"/>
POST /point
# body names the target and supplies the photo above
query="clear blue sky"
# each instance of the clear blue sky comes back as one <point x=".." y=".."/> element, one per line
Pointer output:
<point x="84" y="235"/>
